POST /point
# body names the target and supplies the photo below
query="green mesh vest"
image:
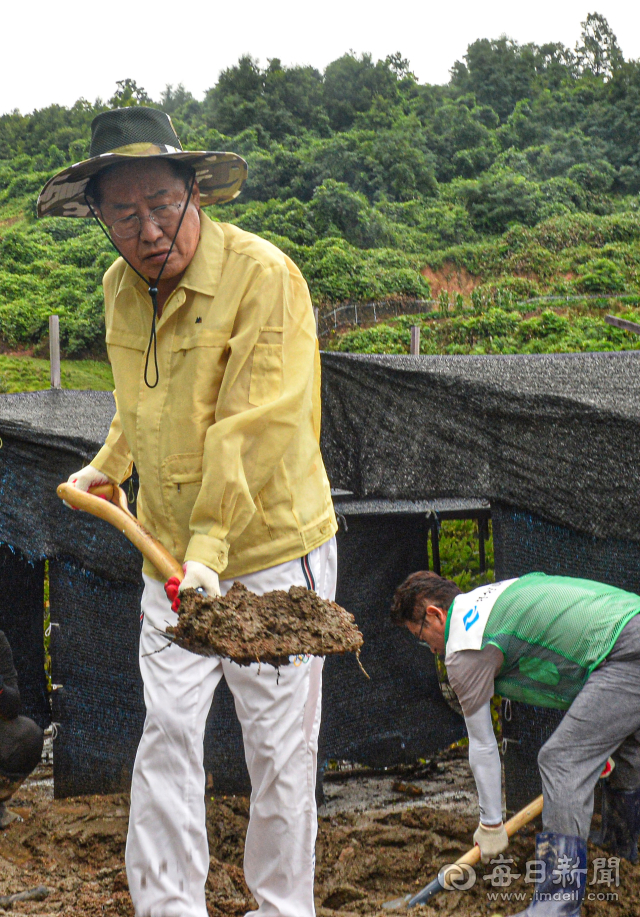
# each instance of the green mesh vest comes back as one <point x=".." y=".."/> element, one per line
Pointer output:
<point x="554" y="631"/>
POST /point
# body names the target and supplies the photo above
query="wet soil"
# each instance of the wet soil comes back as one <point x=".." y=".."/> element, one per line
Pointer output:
<point x="377" y="840"/>
<point x="270" y="628"/>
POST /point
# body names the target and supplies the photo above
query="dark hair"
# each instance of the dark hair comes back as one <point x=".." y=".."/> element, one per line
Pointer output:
<point x="418" y="587"/>
<point x="94" y="187"/>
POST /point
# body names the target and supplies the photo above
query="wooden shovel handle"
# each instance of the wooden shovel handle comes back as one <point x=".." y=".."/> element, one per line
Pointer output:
<point x="109" y="502"/>
<point x="519" y="820"/>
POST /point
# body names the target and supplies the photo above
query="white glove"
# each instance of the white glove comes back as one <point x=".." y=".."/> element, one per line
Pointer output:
<point x="85" y="478"/>
<point x="491" y="841"/>
<point x="198" y="576"/>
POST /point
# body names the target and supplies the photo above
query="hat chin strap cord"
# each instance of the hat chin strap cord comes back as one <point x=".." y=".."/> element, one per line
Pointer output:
<point x="152" y="284"/>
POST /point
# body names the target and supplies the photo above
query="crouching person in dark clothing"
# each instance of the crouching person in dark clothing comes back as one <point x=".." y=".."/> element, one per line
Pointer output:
<point x="21" y="739"/>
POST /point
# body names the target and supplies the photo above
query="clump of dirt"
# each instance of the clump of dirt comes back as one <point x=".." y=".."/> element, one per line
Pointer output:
<point x="269" y="628"/>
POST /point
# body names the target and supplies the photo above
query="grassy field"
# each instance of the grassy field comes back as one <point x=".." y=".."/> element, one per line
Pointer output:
<point x="30" y="374"/>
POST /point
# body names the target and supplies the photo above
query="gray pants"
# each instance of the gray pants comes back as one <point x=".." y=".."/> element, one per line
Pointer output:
<point x="603" y="721"/>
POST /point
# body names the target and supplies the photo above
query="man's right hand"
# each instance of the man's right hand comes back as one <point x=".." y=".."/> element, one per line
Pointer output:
<point x="86" y="478"/>
<point x="491" y="839"/>
<point x="196" y="576"/>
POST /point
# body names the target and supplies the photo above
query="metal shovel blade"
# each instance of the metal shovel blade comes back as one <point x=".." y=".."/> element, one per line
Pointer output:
<point x="426" y="894"/>
<point x="397" y="903"/>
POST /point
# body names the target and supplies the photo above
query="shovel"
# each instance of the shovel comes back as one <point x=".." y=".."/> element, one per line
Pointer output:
<point x="109" y="502"/>
<point x="457" y="872"/>
<point x="271" y="628"/>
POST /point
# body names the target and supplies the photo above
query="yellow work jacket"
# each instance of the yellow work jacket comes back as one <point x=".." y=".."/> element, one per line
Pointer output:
<point x="227" y="445"/>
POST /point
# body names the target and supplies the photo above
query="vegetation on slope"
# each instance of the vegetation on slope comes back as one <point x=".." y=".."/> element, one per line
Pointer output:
<point x="580" y="328"/>
<point x="520" y="176"/>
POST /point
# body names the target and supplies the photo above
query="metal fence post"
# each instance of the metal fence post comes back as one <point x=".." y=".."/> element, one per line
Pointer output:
<point x="415" y="340"/>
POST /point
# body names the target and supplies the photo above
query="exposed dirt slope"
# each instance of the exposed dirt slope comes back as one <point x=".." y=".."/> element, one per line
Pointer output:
<point x="451" y="278"/>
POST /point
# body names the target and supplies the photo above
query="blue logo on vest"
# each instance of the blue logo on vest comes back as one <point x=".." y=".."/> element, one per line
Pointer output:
<point x="469" y="620"/>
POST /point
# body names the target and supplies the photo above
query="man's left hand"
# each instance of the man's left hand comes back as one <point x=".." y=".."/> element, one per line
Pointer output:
<point x="196" y="576"/>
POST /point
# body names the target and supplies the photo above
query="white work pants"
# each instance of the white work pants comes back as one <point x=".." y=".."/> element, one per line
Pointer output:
<point x="167" y="853"/>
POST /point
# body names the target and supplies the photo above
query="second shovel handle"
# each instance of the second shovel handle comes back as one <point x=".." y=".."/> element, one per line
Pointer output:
<point x="519" y="820"/>
<point x="108" y="502"/>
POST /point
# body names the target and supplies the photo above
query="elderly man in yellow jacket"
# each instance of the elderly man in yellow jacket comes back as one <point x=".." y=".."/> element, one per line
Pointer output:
<point x="211" y="337"/>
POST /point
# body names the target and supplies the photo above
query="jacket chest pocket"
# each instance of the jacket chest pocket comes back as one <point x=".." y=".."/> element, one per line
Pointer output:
<point x="130" y="340"/>
<point x="266" y="374"/>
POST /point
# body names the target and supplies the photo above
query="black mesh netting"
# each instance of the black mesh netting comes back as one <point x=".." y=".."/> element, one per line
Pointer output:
<point x="98" y="708"/>
<point x="558" y="434"/>
<point x="524" y="542"/>
<point x="95" y="585"/>
<point x="399" y="714"/>
<point x="45" y="437"/>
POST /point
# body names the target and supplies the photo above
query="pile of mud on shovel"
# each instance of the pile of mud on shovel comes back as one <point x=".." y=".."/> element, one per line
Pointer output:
<point x="240" y="626"/>
<point x="269" y="628"/>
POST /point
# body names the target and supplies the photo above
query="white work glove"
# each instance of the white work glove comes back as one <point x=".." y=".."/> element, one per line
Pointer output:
<point x="491" y="841"/>
<point x="85" y="478"/>
<point x="198" y="576"/>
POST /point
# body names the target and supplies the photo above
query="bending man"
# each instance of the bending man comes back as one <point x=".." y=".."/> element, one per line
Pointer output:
<point x="552" y="641"/>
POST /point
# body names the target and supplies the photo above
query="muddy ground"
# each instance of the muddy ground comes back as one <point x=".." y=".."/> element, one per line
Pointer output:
<point x="377" y="839"/>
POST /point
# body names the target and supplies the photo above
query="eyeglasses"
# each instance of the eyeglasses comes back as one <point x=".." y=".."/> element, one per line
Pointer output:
<point x="422" y="642"/>
<point x="164" y="216"/>
<point x="412" y="639"/>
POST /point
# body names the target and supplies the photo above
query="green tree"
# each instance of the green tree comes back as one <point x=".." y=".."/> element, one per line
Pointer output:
<point x="128" y="94"/>
<point x="464" y="144"/>
<point x="496" y="200"/>
<point x="400" y="66"/>
<point x="277" y="101"/>
<point x="338" y="211"/>
<point x="172" y="99"/>
<point x="235" y="103"/>
<point x="352" y="83"/>
<point x="599" y="52"/>
<point x="555" y="66"/>
<point x="499" y="72"/>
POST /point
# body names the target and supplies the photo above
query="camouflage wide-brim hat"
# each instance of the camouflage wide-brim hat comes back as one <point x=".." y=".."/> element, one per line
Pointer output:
<point x="128" y="134"/>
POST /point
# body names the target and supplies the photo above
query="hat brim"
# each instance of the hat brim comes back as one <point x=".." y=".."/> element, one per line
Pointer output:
<point x="220" y="177"/>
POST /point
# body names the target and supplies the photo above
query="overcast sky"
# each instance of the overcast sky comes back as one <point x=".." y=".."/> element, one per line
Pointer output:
<point x="60" y="52"/>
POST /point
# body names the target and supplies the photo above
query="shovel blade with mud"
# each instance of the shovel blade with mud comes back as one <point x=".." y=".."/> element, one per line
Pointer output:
<point x="455" y="874"/>
<point x="242" y="626"/>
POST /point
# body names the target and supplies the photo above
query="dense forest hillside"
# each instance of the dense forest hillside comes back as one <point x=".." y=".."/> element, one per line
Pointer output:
<point x="516" y="180"/>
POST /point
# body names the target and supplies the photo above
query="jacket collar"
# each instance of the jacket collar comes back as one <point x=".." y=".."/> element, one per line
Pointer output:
<point x="203" y="272"/>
